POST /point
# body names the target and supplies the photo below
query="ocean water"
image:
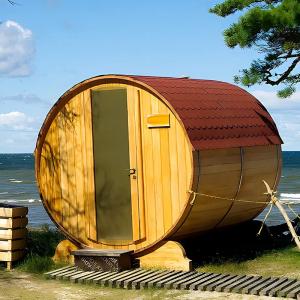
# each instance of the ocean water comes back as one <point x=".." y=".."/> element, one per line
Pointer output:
<point x="18" y="186"/>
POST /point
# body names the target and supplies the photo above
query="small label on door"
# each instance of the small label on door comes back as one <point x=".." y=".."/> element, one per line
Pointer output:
<point x="158" y="121"/>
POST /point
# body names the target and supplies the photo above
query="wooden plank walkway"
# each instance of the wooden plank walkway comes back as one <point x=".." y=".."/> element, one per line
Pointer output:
<point x="141" y="279"/>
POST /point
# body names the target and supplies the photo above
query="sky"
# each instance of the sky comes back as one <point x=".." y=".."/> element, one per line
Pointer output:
<point x="47" y="46"/>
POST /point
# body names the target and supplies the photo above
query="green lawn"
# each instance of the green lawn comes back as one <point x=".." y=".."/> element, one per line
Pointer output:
<point x="282" y="262"/>
<point x="221" y="253"/>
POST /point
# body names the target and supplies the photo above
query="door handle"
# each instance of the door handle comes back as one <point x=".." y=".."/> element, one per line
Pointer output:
<point x="132" y="171"/>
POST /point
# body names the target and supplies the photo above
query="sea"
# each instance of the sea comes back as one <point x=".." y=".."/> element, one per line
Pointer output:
<point x="18" y="187"/>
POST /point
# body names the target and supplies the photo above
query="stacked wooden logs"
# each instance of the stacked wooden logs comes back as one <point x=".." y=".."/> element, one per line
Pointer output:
<point x="13" y="233"/>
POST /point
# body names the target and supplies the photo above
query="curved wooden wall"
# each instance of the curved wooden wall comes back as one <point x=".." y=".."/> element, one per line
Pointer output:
<point x="66" y="172"/>
<point x="236" y="174"/>
<point x="168" y="170"/>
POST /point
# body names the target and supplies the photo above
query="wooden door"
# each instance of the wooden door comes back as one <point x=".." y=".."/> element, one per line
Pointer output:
<point x="118" y="165"/>
<point x="111" y="164"/>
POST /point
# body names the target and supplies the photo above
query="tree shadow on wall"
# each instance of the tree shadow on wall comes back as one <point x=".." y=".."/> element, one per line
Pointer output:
<point x="65" y="172"/>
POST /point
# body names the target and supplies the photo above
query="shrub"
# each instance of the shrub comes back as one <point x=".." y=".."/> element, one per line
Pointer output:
<point x="37" y="264"/>
<point x="43" y="241"/>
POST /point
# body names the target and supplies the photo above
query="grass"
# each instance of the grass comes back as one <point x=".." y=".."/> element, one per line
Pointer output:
<point x="281" y="262"/>
<point x="41" y="247"/>
<point x="25" y="286"/>
<point x="239" y="250"/>
<point x="233" y="251"/>
<point x="236" y="250"/>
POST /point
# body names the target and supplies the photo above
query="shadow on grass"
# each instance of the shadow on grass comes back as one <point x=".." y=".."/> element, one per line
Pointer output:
<point x="236" y="244"/>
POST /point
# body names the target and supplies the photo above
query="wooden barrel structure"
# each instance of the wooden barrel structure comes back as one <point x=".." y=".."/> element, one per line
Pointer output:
<point x="125" y="162"/>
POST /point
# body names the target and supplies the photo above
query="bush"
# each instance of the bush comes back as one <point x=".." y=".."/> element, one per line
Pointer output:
<point x="41" y="244"/>
<point x="37" y="264"/>
<point x="43" y="241"/>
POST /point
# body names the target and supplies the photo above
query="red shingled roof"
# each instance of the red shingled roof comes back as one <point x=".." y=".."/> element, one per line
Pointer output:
<point x="216" y="114"/>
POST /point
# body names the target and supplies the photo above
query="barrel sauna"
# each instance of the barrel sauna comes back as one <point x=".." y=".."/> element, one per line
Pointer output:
<point x="125" y="162"/>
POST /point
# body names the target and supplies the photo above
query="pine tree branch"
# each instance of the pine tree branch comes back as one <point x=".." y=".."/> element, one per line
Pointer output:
<point x="13" y="2"/>
<point x="288" y="56"/>
<point x="284" y="75"/>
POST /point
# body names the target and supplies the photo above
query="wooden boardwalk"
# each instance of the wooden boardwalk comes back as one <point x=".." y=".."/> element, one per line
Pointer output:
<point x="141" y="279"/>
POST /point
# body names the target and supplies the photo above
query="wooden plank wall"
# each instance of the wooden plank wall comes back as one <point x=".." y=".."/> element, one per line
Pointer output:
<point x="167" y="169"/>
<point x="237" y="174"/>
<point x="260" y="163"/>
<point x="220" y="172"/>
<point x="66" y="170"/>
<point x="163" y="161"/>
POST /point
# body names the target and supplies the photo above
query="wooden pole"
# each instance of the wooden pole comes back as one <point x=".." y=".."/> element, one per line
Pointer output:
<point x="276" y="202"/>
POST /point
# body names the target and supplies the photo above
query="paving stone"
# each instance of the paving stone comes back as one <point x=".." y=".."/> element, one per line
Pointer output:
<point x="101" y="280"/>
<point x="225" y="284"/>
<point x="169" y="284"/>
<point x="211" y="287"/>
<point x="280" y="287"/>
<point x="128" y="282"/>
<point x="257" y="289"/>
<point x="98" y="279"/>
<point x="252" y="282"/>
<point x="152" y="282"/>
<point x="112" y="281"/>
<point x="60" y="274"/>
<point x="136" y="283"/>
<point x="187" y="284"/>
<point x="161" y="283"/>
<point x="124" y="282"/>
<point x="141" y="278"/>
<point x="202" y="286"/>
<point x="285" y="291"/>
<point x="235" y="284"/>
<point x="191" y="276"/>
<point x="58" y="270"/>
<point x="144" y="283"/>
<point x="67" y="276"/>
<point x="74" y="278"/>
<point x="267" y="289"/>
<point x="202" y="280"/>
<point x="89" y="278"/>
<point x="293" y="293"/>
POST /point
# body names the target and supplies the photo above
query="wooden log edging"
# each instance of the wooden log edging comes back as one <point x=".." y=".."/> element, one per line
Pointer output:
<point x="141" y="279"/>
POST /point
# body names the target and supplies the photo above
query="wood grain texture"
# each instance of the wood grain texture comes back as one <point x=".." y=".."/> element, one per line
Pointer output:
<point x="161" y="156"/>
<point x="166" y="172"/>
<point x="260" y="163"/>
<point x="11" y="255"/>
<point x="90" y="214"/>
<point x="13" y="222"/>
<point x="133" y="140"/>
<point x="10" y="245"/>
<point x="11" y="212"/>
<point x="10" y="234"/>
<point x="219" y="174"/>
<point x="170" y="255"/>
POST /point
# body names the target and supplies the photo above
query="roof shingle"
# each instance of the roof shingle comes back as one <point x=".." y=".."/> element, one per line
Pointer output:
<point x="216" y="114"/>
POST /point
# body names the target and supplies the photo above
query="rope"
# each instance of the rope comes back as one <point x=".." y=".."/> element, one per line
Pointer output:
<point x="293" y="211"/>
<point x="263" y="222"/>
<point x="273" y="201"/>
<point x="239" y="200"/>
<point x="224" y="198"/>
